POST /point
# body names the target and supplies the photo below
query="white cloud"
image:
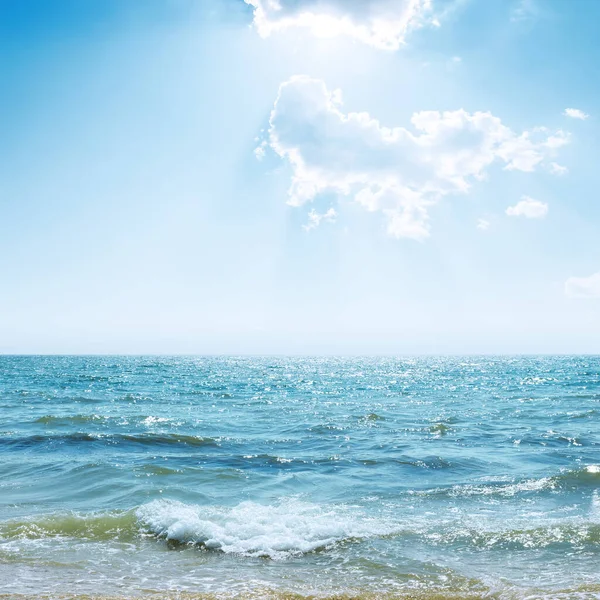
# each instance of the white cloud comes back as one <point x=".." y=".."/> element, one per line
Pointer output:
<point x="398" y="172"/>
<point x="315" y="218"/>
<point x="483" y="224"/>
<point x="380" y="23"/>
<point x="575" y="113"/>
<point x="529" y="208"/>
<point x="259" y="151"/>
<point x="453" y="63"/>
<point x="557" y="169"/>
<point x="583" y="287"/>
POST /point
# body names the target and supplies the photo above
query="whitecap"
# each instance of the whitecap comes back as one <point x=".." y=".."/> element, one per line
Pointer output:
<point x="278" y="531"/>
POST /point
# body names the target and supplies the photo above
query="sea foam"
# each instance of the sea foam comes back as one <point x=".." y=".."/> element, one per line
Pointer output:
<point x="277" y="531"/>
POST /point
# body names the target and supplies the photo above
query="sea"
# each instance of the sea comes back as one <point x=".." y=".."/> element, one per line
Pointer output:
<point x="300" y="477"/>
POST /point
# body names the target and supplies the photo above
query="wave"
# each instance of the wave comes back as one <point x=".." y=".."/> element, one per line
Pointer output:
<point x="66" y="420"/>
<point x="159" y="470"/>
<point x="588" y="476"/>
<point x="278" y="531"/>
<point x="371" y="417"/>
<point x="268" y="459"/>
<point x="289" y="528"/>
<point x="95" y="526"/>
<point x="439" y="429"/>
<point x="144" y="439"/>
<point x="587" y="414"/>
<point x="489" y="489"/>
<point x="553" y="439"/>
<point x="70" y="420"/>
<point x="575" y="535"/>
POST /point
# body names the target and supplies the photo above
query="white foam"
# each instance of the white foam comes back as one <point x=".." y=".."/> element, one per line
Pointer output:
<point x="507" y="489"/>
<point x="278" y="531"/>
<point x="151" y="420"/>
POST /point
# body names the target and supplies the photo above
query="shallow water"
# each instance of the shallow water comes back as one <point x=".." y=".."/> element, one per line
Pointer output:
<point x="199" y="477"/>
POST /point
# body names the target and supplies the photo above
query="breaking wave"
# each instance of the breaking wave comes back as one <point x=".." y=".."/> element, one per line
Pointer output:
<point x="289" y="528"/>
<point x="275" y="531"/>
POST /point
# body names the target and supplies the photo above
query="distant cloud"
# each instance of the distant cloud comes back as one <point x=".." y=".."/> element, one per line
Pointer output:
<point x="557" y="169"/>
<point x="315" y="218"/>
<point x="399" y="172"/>
<point x="524" y="10"/>
<point x="529" y="208"/>
<point x="259" y="151"/>
<point x="483" y="224"/>
<point x="575" y="113"/>
<point x="583" y="287"/>
<point x="380" y="23"/>
<point x="453" y="63"/>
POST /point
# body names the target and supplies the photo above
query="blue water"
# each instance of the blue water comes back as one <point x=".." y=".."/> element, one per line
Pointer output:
<point x="402" y="477"/>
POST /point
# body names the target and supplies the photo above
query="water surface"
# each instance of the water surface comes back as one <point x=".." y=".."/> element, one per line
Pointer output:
<point x="395" y="477"/>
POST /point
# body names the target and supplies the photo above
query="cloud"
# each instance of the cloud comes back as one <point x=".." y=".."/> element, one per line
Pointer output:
<point x="525" y="10"/>
<point x="483" y="224"/>
<point x="583" y="287"/>
<point x="529" y="208"/>
<point x="315" y="218"/>
<point x="259" y="151"/>
<point x="557" y="169"/>
<point x="399" y="172"/>
<point x="380" y="23"/>
<point x="575" y="113"/>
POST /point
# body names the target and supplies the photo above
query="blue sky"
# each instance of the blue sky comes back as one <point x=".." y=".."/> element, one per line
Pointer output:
<point x="384" y="176"/>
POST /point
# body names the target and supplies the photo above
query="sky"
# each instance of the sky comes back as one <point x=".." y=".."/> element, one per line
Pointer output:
<point x="299" y="177"/>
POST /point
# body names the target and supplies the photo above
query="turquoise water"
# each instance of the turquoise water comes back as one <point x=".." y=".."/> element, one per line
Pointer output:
<point x="400" y="477"/>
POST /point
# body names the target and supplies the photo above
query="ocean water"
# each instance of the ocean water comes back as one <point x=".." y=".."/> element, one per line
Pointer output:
<point x="185" y="477"/>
